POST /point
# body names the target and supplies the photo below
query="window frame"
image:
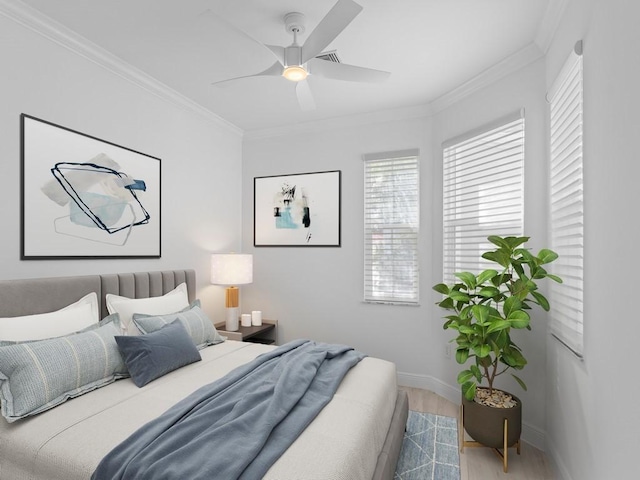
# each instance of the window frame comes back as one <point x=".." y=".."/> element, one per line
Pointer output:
<point x="566" y="202"/>
<point x="398" y="230"/>
<point x="502" y="143"/>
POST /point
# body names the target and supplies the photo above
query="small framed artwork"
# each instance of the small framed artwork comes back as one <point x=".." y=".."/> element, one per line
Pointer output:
<point x="83" y="197"/>
<point x="297" y="210"/>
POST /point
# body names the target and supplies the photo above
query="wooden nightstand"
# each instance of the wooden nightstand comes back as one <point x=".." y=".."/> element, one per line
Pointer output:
<point x="265" y="333"/>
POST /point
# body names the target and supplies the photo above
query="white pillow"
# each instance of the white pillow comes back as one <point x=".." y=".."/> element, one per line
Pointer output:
<point x="67" y="320"/>
<point x="170" y="302"/>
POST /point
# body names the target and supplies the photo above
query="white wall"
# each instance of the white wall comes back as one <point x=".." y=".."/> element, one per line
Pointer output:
<point x="201" y="157"/>
<point x="592" y="413"/>
<point x="317" y="292"/>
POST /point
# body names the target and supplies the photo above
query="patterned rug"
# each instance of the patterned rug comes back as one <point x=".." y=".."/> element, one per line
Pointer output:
<point x="429" y="449"/>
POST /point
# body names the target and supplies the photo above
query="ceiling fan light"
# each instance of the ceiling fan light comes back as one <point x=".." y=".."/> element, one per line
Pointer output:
<point x="295" y="73"/>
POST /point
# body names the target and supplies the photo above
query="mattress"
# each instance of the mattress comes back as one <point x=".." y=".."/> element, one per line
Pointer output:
<point x="68" y="442"/>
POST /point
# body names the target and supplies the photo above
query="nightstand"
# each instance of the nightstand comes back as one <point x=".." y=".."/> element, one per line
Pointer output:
<point x="265" y="333"/>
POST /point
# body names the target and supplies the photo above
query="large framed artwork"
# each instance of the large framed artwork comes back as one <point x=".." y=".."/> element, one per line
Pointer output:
<point x="297" y="210"/>
<point x="83" y="197"/>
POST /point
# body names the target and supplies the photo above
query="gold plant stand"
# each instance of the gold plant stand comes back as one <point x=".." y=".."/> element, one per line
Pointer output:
<point x="504" y="454"/>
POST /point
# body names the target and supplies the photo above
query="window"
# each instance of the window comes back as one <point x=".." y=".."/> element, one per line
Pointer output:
<point x="391" y="226"/>
<point x="565" y="98"/>
<point x="483" y="192"/>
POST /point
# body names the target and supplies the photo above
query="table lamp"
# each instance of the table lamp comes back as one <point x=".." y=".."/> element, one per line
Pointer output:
<point x="231" y="269"/>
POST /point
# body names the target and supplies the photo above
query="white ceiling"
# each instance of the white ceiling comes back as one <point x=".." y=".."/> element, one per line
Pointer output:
<point x="429" y="46"/>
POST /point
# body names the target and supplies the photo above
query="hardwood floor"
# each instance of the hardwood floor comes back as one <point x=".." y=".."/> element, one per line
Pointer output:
<point x="483" y="463"/>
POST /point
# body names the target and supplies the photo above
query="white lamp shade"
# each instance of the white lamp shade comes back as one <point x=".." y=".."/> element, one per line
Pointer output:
<point x="231" y="268"/>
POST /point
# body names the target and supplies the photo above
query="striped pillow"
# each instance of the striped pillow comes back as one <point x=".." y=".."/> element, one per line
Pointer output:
<point x="37" y="376"/>
<point x="194" y="320"/>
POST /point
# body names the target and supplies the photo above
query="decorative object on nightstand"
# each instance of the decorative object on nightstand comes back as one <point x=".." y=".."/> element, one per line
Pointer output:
<point x="231" y="269"/>
<point x="256" y="318"/>
<point x="246" y="320"/>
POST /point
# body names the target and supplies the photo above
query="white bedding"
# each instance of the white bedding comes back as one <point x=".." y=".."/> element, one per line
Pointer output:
<point x="68" y="442"/>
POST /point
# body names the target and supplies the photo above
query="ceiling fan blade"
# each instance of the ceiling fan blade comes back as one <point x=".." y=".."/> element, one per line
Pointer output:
<point x="334" y="22"/>
<point x="278" y="52"/>
<point x="274" y="70"/>
<point x="343" y="71"/>
<point x="210" y="18"/>
<point x="305" y="97"/>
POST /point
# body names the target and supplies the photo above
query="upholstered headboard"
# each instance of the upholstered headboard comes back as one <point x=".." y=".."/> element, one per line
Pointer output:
<point x="41" y="295"/>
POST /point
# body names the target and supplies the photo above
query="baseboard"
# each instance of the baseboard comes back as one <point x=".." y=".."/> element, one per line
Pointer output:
<point x="432" y="384"/>
<point x="530" y="434"/>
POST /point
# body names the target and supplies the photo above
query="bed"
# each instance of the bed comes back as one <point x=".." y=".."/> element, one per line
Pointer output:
<point x="358" y="435"/>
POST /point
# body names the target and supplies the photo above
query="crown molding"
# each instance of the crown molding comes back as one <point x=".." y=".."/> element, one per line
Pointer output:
<point x="336" y="123"/>
<point x="550" y="22"/>
<point x="48" y="28"/>
<point x="509" y="65"/>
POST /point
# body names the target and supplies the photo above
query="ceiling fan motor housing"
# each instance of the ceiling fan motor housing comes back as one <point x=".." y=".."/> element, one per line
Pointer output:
<point x="292" y="55"/>
<point x="294" y="22"/>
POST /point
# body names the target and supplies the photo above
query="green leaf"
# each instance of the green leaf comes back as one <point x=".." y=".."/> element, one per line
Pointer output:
<point x="464" y="376"/>
<point x="469" y="390"/>
<point x="525" y="254"/>
<point x="466" y="329"/>
<point x="499" y="325"/>
<point x="508" y="359"/>
<point x="541" y="300"/>
<point x="476" y="372"/>
<point x="519" y="380"/>
<point x="499" y="241"/>
<point x="538" y="273"/>
<point x="441" y="288"/>
<point x="499" y="256"/>
<point x="447" y="304"/>
<point x="458" y="296"/>
<point x="518" y="268"/>
<point x="485" y="275"/>
<point x="482" y="351"/>
<point x="468" y="278"/>
<point x="554" y="278"/>
<point x="518" y="319"/>
<point x="500" y="279"/>
<point x="480" y="313"/>
<point x="489" y="292"/>
<point x="547" y="256"/>
<point x="511" y="304"/>
<point x="462" y="355"/>
<point x="515" y="242"/>
<point x="519" y="360"/>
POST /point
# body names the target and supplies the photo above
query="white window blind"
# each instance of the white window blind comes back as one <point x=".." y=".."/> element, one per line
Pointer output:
<point x="483" y="192"/>
<point x="567" y="202"/>
<point x="391" y="227"/>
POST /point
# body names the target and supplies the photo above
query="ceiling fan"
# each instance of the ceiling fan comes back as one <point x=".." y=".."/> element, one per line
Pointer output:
<point x="296" y="62"/>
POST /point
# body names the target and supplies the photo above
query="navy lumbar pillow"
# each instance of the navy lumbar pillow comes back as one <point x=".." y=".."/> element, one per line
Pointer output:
<point x="153" y="355"/>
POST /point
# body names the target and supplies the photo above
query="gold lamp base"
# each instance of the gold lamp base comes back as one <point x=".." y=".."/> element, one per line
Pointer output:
<point x="232" y="301"/>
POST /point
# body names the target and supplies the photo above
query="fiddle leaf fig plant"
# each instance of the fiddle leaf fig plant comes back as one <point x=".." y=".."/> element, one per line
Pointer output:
<point x="485" y="307"/>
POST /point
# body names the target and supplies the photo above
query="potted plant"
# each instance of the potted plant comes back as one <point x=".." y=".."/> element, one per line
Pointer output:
<point x="484" y="309"/>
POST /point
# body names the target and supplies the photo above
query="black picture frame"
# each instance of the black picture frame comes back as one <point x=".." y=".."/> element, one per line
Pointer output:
<point x="83" y="197"/>
<point x="298" y="210"/>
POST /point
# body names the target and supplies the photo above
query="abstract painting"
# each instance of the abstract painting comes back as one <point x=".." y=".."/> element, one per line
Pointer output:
<point x="297" y="210"/>
<point x="83" y="197"/>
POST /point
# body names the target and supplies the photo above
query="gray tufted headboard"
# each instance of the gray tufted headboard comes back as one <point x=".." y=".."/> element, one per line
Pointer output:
<point x="41" y="295"/>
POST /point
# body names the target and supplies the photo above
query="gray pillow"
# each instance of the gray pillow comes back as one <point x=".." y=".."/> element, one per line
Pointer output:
<point x="194" y="320"/>
<point x="155" y="354"/>
<point x="37" y="376"/>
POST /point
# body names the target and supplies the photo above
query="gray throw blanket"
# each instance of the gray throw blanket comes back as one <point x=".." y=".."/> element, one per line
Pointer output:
<point x="239" y="425"/>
